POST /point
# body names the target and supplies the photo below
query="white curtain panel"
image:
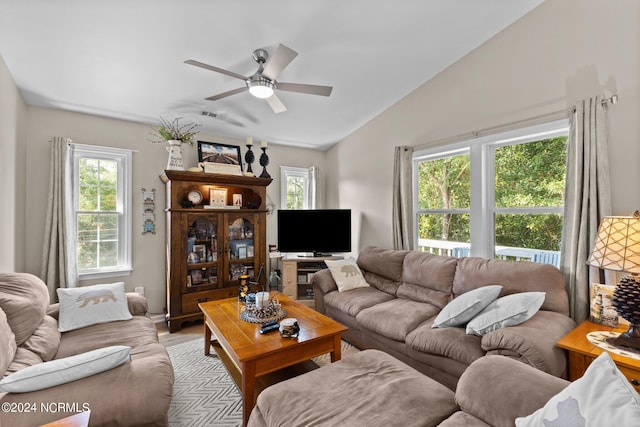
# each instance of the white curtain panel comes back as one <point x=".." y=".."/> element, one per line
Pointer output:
<point x="59" y="269"/>
<point x="313" y="187"/>
<point x="402" y="198"/>
<point x="587" y="199"/>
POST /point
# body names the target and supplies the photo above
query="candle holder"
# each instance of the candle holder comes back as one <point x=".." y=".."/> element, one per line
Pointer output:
<point x="264" y="161"/>
<point x="243" y="288"/>
<point x="249" y="157"/>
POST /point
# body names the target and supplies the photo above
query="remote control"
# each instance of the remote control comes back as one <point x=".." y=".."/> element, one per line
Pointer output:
<point x="269" y="323"/>
<point x="271" y="328"/>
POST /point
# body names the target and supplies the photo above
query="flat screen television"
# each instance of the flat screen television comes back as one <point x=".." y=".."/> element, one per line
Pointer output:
<point x="314" y="231"/>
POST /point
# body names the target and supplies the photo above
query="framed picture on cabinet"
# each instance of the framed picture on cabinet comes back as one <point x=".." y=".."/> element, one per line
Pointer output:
<point x="220" y="158"/>
<point x="196" y="276"/>
<point x="201" y="252"/>
<point x="218" y="197"/>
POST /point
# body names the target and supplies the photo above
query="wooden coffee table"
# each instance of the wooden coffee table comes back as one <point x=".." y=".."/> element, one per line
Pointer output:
<point x="253" y="355"/>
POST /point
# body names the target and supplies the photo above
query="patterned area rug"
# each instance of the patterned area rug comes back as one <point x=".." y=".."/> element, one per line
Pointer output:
<point x="204" y="394"/>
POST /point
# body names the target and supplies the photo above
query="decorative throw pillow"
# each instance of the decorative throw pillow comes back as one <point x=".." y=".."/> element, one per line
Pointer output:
<point x="465" y="307"/>
<point x="89" y="305"/>
<point x="346" y="274"/>
<point x="61" y="371"/>
<point x="602" y="397"/>
<point x="509" y="310"/>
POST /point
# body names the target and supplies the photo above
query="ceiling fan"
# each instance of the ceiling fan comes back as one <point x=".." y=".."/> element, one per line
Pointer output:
<point x="262" y="83"/>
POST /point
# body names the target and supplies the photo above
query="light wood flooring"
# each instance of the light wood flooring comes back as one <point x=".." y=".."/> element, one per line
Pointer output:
<point x="188" y="332"/>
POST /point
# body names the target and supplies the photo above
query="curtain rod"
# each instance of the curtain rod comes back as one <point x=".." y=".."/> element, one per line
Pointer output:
<point x="70" y="143"/>
<point x="560" y="114"/>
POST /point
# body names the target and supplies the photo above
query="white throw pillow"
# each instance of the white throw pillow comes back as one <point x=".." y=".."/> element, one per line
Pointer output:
<point x="465" y="307"/>
<point x="89" y="305"/>
<point x="61" y="371"/>
<point x="509" y="310"/>
<point x="602" y="397"/>
<point x="346" y="274"/>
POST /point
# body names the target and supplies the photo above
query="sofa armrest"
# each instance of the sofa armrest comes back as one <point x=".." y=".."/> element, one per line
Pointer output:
<point x="533" y="342"/>
<point x="497" y="390"/>
<point x="323" y="283"/>
<point x="54" y="310"/>
<point x="138" y="305"/>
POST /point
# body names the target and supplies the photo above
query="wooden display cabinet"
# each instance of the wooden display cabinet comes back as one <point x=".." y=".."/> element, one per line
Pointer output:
<point x="208" y="249"/>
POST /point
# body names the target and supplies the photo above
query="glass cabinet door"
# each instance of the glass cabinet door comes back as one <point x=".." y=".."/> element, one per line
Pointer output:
<point x="241" y="250"/>
<point x="202" y="252"/>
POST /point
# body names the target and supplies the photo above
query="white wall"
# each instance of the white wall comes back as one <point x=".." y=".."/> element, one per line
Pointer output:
<point x="148" y="250"/>
<point x="12" y="174"/>
<point x="562" y="51"/>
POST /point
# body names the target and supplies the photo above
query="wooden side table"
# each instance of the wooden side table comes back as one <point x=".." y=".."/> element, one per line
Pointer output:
<point x="582" y="352"/>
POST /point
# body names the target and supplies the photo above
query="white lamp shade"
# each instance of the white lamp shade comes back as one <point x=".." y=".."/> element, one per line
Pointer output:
<point x="617" y="246"/>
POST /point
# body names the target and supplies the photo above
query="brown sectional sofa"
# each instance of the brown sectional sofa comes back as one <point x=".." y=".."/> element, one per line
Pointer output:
<point x="409" y="288"/>
<point x="136" y="393"/>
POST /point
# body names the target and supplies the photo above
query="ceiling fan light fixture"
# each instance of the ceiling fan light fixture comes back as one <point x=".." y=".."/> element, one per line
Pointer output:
<point x="260" y="87"/>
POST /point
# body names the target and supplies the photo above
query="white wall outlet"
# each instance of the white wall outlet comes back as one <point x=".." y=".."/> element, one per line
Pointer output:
<point x="139" y="289"/>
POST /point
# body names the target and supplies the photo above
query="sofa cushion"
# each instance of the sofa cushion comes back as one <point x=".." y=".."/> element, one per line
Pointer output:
<point x="510" y="310"/>
<point x="427" y="278"/>
<point x="356" y="300"/>
<point x="466" y="306"/>
<point x="383" y="262"/>
<point x="24" y="298"/>
<point x="346" y="274"/>
<point x="514" y="277"/>
<point x="65" y="370"/>
<point x="23" y="359"/>
<point x="371" y="385"/>
<point x="8" y="340"/>
<point x="395" y="318"/>
<point x="452" y="343"/>
<point x="90" y="305"/>
<point x="462" y="419"/>
<point x="602" y="396"/>
<point x="382" y="283"/>
<point x="137" y="333"/>
<point x="45" y="339"/>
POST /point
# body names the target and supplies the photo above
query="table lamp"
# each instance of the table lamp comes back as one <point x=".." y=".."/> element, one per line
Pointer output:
<point x="617" y="248"/>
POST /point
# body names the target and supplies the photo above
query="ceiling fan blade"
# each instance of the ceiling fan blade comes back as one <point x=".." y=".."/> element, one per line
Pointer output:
<point x="304" y="88"/>
<point x="216" y="69"/>
<point x="228" y="93"/>
<point x="276" y="105"/>
<point x="222" y="117"/>
<point x="278" y="61"/>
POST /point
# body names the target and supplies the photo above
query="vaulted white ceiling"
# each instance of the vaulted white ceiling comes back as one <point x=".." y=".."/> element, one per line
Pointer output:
<point x="125" y="58"/>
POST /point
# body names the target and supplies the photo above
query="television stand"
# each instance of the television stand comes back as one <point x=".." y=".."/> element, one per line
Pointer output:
<point x="296" y="277"/>
<point x="314" y="255"/>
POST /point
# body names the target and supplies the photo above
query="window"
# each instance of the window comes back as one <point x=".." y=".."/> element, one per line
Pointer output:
<point x="499" y="196"/>
<point x="101" y="200"/>
<point x="297" y="188"/>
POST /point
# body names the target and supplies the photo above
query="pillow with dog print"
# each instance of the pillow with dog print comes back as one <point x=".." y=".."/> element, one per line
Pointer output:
<point x="90" y="305"/>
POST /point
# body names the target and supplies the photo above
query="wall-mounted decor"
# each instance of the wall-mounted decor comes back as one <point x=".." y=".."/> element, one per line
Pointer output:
<point x="220" y="158"/>
<point x="148" y="212"/>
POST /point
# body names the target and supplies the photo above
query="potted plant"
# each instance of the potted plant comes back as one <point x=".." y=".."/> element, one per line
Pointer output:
<point x="175" y="134"/>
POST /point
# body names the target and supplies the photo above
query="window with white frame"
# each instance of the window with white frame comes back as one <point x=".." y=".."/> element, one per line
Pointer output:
<point x="102" y="203"/>
<point x="297" y="188"/>
<point x="500" y="196"/>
